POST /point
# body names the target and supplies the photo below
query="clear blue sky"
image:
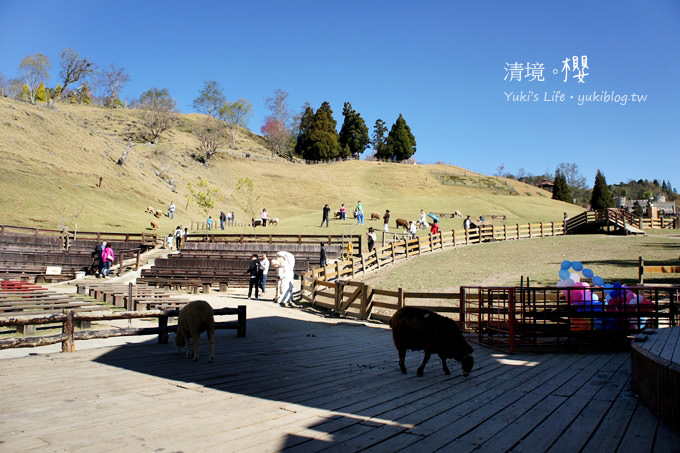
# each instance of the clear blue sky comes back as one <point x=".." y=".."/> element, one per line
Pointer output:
<point x="441" y="64"/>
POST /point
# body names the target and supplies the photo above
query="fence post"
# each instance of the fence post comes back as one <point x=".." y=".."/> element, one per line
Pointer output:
<point x="362" y="306"/>
<point x="337" y="269"/>
<point x="517" y="225"/>
<point x="530" y="234"/>
<point x="69" y="344"/>
<point x="392" y="252"/>
<point x="339" y="287"/>
<point x="511" y="316"/>
<point x="641" y="271"/>
<point x="400" y="297"/>
<point x="461" y="312"/>
<point x="163" y="327"/>
<point x="241" y="331"/>
<point x="505" y="232"/>
<point x="130" y="301"/>
<point x="541" y="224"/>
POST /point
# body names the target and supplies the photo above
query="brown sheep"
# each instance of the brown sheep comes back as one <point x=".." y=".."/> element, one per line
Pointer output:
<point x="158" y="214"/>
<point x="402" y="223"/>
<point x="154" y="225"/>
<point x="194" y="318"/>
<point x="150" y="209"/>
<point x="418" y="329"/>
<point x="375" y="216"/>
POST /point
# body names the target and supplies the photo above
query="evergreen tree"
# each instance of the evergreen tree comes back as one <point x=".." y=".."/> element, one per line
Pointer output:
<point x="560" y="188"/>
<point x="40" y="94"/>
<point x="379" y="141"/>
<point x="637" y="209"/>
<point x="353" y="136"/>
<point x="401" y="144"/>
<point x="57" y="92"/>
<point x="323" y="135"/>
<point x="25" y="93"/>
<point x="602" y="196"/>
<point x="84" y="94"/>
<point x="302" y="143"/>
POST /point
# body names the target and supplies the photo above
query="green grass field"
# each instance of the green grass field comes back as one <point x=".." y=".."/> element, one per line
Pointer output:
<point x="614" y="258"/>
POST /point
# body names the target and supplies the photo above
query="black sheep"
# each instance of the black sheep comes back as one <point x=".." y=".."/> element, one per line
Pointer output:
<point x="419" y="329"/>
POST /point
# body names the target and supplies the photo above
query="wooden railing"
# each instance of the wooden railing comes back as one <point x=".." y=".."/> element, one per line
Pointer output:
<point x="69" y="318"/>
<point x="402" y="249"/>
<point x="144" y="238"/>
<point x="312" y="239"/>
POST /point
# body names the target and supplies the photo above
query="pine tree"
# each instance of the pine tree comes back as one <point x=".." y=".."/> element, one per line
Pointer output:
<point x="602" y="196"/>
<point x="401" y="144"/>
<point x="560" y="188"/>
<point x="40" y="94"/>
<point x="353" y="136"/>
<point x="57" y="92"/>
<point x="302" y="143"/>
<point x="323" y="135"/>
<point x="379" y="141"/>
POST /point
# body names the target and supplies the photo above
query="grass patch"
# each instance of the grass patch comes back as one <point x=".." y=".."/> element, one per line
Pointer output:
<point x="614" y="258"/>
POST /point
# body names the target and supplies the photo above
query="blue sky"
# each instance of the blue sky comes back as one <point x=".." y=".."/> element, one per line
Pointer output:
<point x="441" y="64"/>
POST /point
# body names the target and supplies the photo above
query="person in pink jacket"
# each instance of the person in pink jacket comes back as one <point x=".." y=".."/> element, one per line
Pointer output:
<point x="107" y="258"/>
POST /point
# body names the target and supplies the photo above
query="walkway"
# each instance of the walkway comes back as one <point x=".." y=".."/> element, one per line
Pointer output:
<point x="302" y="382"/>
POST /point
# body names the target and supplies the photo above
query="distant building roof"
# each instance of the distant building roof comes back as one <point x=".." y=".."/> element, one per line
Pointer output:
<point x="545" y="185"/>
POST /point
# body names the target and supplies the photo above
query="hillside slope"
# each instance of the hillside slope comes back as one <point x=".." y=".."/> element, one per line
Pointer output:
<point x="53" y="161"/>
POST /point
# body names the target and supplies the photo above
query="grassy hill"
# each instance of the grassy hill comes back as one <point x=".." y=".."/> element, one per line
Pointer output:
<point x="53" y="160"/>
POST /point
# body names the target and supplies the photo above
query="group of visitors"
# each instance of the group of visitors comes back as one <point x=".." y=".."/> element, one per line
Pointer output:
<point x="180" y="236"/>
<point x="259" y="269"/>
<point x="103" y="257"/>
<point x="358" y="213"/>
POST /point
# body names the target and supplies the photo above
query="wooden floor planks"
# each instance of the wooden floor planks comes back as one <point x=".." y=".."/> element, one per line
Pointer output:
<point x="320" y="387"/>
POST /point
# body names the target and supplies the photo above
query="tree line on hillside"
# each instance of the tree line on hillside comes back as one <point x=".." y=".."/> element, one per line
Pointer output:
<point x="569" y="185"/>
<point x="310" y="135"/>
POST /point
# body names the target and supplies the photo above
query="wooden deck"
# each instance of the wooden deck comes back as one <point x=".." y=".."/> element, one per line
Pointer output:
<point x="307" y="385"/>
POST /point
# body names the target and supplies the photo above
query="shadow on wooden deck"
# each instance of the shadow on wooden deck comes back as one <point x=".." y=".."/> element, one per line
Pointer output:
<point x="307" y="386"/>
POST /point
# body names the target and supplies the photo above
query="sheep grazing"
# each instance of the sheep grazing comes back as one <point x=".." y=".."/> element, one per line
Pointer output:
<point x="158" y="214"/>
<point x="194" y="318"/>
<point x="458" y="214"/>
<point x="256" y="223"/>
<point x="150" y="209"/>
<point x="402" y="223"/>
<point x="154" y="225"/>
<point x="375" y="216"/>
<point x="418" y="329"/>
<point x="274" y="221"/>
<point x="337" y="215"/>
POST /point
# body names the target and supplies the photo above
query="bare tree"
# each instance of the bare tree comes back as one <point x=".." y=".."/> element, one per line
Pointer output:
<point x="33" y="70"/>
<point x="158" y="111"/>
<point x="211" y="135"/>
<point x="236" y="114"/>
<point x="576" y="182"/>
<point x="74" y="68"/>
<point x="111" y="82"/>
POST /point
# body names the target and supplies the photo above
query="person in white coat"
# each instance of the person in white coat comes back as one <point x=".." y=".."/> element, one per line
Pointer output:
<point x="286" y="260"/>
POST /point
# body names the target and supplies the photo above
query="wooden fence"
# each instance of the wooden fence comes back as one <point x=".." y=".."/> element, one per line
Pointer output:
<point x="352" y="242"/>
<point x="403" y="249"/>
<point x="69" y="318"/>
<point x="70" y="236"/>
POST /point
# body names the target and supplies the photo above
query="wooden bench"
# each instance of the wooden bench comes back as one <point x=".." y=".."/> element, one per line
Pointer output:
<point x="655" y="370"/>
<point x="143" y="296"/>
<point x="656" y="268"/>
